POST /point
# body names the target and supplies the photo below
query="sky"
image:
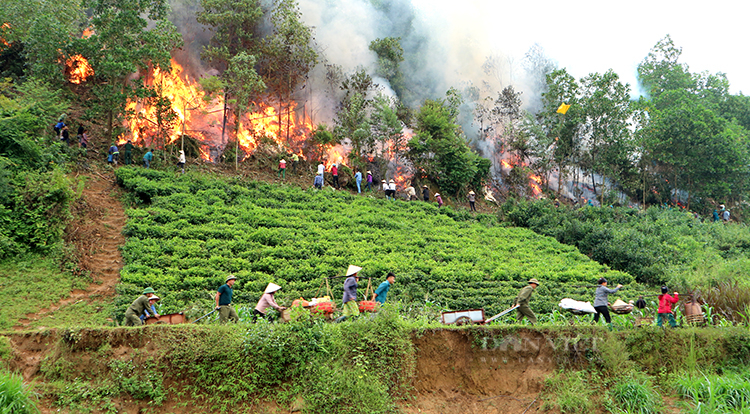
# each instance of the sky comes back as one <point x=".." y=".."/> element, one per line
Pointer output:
<point x="593" y="36"/>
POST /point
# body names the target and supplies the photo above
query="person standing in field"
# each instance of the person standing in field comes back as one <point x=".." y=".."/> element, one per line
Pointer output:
<point x="148" y="158"/>
<point x="665" y="307"/>
<point x="472" y="199"/>
<point x="381" y="293"/>
<point x="358" y="180"/>
<point x="295" y="161"/>
<point x="84" y="139"/>
<point x="136" y="309"/>
<point x="321" y="168"/>
<point x="350" y="293"/>
<point x="439" y="199"/>
<point x="267" y="301"/>
<point x="335" y="175"/>
<point x="392" y="190"/>
<point x="724" y="213"/>
<point x="522" y="301"/>
<point x="369" y="180"/>
<point x="282" y="169"/>
<point x="425" y="193"/>
<point x="114" y="153"/>
<point x="601" y="301"/>
<point x="411" y="192"/>
<point x="318" y="182"/>
<point x="128" y="152"/>
<point x="386" y="189"/>
<point x="181" y="161"/>
<point x="224" y="301"/>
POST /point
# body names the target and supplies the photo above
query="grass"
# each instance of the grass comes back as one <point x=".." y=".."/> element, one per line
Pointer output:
<point x="15" y="396"/>
<point x="711" y="393"/>
<point x="31" y="283"/>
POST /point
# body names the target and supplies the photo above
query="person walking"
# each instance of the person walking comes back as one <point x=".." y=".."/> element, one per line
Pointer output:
<point x="425" y="193"/>
<point x="65" y="135"/>
<point x="181" y="161"/>
<point x="350" y="293"/>
<point x="128" y="152"/>
<point x="369" y="180"/>
<point x="358" y="180"/>
<point x="335" y="174"/>
<point x="472" y="199"/>
<point x="386" y="189"/>
<point x="148" y="157"/>
<point x="224" y="301"/>
<point x="282" y="169"/>
<point x="267" y="301"/>
<point x="381" y="293"/>
<point x="84" y="139"/>
<point x="724" y="213"/>
<point x="439" y="199"/>
<point x="136" y="309"/>
<point x="522" y="301"/>
<point x="601" y="301"/>
<point x="715" y="216"/>
<point x="665" y="307"/>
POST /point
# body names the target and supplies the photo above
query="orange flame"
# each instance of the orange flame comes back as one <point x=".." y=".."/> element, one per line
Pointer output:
<point x="78" y="69"/>
<point x="203" y="121"/>
<point x="87" y="32"/>
<point x="4" y="28"/>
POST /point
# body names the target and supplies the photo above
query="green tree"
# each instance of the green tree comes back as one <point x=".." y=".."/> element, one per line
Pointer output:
<point x="385" y="126"/>
<point x="127" y="37"/>
<point x="390" y="55"/>
<point x="235" y="25"/>
<point x="440" y="154"/>
<point x="288" y="56"/>
<point x="352" y="118"/>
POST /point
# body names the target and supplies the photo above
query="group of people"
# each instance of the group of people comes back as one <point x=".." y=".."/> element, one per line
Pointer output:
<point x="600" y="303"/>
<point x="63" y="133"/>
<point x="143" y="307"/>
<point x="282" y="166"/>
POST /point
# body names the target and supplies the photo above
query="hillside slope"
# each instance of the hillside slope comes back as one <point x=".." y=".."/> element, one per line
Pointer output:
<point x="189" y="232"/>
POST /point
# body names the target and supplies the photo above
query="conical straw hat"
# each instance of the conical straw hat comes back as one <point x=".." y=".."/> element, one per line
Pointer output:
<point x="352" y="270"/>
<point x="272" y="287"/>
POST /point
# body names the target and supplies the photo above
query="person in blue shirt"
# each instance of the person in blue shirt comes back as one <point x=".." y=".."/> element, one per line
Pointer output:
<point x="152" y="303"/>
<point x="358" y="180"/>
<point x="148" y="158"/>
<point x="382" y="291"/>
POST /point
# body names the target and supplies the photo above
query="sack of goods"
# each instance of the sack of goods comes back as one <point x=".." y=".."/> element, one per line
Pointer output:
<point x="620" y="307"/>
<point x="577" y="307"/>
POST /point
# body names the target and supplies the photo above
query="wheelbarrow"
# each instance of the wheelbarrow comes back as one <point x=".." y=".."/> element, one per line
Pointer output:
<point x="172" y="319"/>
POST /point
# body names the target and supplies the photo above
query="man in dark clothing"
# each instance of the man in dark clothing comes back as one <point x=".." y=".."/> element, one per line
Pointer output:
<point x="135" y="310"/>
<point x="425" y="193"/>
<point x="523" y="301"/>
<point x="128" y="148"/>
<point x="65" y="136"/>
<point x="224" y="301"/>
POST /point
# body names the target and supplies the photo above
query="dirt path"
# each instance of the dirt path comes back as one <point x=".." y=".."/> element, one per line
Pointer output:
<point x="96" y="232"/>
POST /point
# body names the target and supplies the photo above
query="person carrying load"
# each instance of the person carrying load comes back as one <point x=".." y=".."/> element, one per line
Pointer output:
<point x="152" y="306"/>
<point x="267" y="301"/>
<point x="351" y="308"/>
<point x="136" y="309"/>
<point x="522" y="301"/>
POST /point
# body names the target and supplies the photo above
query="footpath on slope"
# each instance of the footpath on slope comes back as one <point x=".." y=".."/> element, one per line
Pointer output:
<point x="96" y="232"/>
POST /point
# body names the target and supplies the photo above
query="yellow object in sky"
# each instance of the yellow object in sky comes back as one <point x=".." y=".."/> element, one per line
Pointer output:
<point x="563" y="108"/>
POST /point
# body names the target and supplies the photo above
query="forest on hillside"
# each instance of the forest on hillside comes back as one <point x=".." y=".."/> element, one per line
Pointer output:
<point x="684" y="142"/>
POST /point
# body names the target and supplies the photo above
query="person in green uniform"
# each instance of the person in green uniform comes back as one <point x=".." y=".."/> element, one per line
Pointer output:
<point x="224" y="301"/>
<point x="128" y="148"/>
<point x="523" y="301"/>
<point x="135" y="310"/>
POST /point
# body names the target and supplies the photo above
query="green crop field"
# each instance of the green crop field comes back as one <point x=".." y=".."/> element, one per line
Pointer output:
<point x="187" y="233"/>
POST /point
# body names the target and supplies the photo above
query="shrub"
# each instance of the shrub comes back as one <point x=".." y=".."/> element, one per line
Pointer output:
<point x="15" y="396"/>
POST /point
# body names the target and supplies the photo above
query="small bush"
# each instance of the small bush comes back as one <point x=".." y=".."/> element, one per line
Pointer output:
<point x="569" y="392"/>
<point x="634" y="395"/>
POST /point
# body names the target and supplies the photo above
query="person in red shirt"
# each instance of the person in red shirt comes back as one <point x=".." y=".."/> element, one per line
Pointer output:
<point x="665" y="307"/>
<point x="335" y="174"/>
<point x="282" y="169"/>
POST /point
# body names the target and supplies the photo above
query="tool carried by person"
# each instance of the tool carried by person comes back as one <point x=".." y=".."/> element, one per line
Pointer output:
<point x="196" y="321"/>
<point x="505" y="312"/>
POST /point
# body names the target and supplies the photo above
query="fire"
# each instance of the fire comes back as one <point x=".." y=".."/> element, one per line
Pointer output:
<point x="5" y="27"/>
<point x="87" y="32"/>
<point x="78" y="69"/>
<point x="265" y="127"/>
<point x="535" y="184"/>
<point x="334" y="156"/>
<point x="506" y="164"/>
